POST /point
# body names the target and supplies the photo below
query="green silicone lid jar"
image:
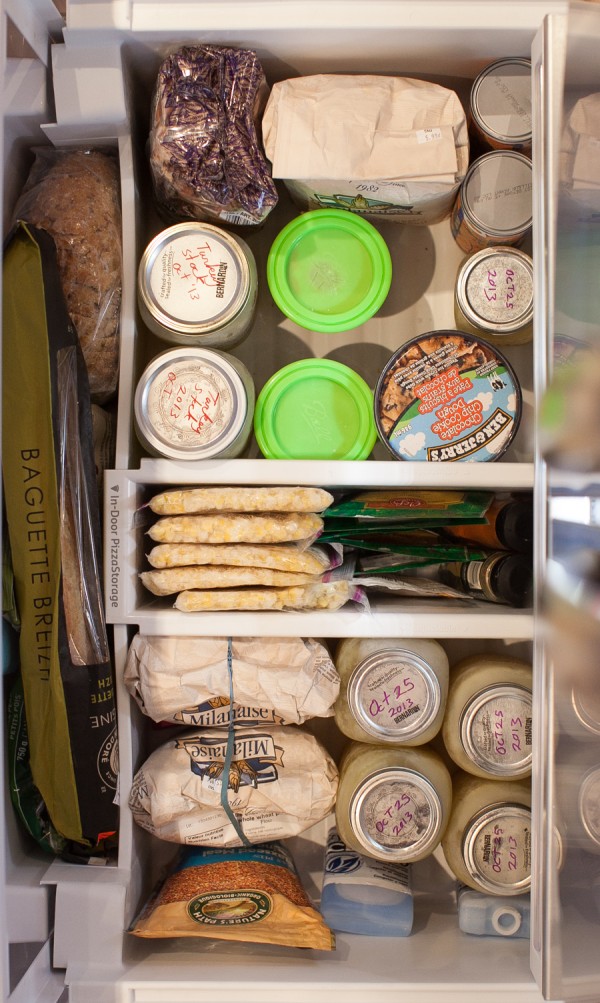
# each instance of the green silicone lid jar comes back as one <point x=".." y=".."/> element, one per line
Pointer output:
<point x="315" y="409"/>
<point x="329" y="270"/>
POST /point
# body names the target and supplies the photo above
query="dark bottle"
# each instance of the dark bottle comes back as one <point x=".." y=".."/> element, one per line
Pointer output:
<point x="501" y="577"/>
<point x="509" y="526"/>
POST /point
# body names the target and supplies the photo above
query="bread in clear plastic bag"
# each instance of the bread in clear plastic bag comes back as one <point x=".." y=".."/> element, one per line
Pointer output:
<point x="74" y="194"/>
<point x="206" y="158"/>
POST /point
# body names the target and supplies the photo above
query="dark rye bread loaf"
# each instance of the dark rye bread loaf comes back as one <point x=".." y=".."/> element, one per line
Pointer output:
<point x="74" y="195"/>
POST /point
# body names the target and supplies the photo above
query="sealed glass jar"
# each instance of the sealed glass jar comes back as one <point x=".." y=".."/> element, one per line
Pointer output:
<point x="494" y="203"/>
<point x="392" y="803"/>
<point x="194" y="404"/>
<point x="392" y="690"/>
<point x="487" y="844"/>
<point x="494" y="295"/>
<point x="197" y="285"/>
<point x="487" y="728"/>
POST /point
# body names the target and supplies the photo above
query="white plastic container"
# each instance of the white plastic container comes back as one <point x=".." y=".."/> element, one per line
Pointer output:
<point x="364" y="896"/>
<point x="491" y="915"/>
<point x="392" y="690"/>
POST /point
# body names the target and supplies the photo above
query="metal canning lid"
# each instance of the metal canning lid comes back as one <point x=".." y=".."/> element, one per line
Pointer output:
<point x="316" y="409"/>
<point x="589" y="804"/>
<point x="193" y="279"/>
<point x="396" y="814"/>
<point x="329" y="270"/>
<point x="394" y="694"/>
<point x="501" y="101"/>
<point x="586" y="707"/>
<point x="495" y="730"/>
<point x="496" y="848"/>
<point x="447" y="396"/>
<point x="494" y="289"/>
<point x="192" y="403"/>
<point x="496" y="194"/>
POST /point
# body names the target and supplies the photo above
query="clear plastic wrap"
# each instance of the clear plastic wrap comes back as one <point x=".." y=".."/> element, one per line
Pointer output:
<point x="206" y="158"/>
<point x="74" y="194"/>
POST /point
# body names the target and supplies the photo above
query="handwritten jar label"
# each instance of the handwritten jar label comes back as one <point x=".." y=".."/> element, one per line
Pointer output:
<point x="397" y="814"/>
<point x="194" y="403"/>
<point x="190" y="404"/>
<point x="195" y="277"/>
<point x="499" y="848"/>
<point x="499" y="289"/>
<point x="393" y="695"/>
<point x="496" y="730"/>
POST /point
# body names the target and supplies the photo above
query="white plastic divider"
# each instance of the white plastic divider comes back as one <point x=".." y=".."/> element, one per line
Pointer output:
<point x="127" y="602"/>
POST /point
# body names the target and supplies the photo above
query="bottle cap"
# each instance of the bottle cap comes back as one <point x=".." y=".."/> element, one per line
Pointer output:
<point x="329" y="270"/>
<point x="511" y="579"/>
<point x="315" y="409"/>
<point x="515" y="526"/>
<point x="506" y="920"/>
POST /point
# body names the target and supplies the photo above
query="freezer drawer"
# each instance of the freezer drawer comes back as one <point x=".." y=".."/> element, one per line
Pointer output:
<point x="103" y="71"/>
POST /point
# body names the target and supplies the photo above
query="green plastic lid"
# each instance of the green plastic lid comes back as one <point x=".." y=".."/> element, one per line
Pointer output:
<point x="329" y="270"/>
<point x="315" y="409"/>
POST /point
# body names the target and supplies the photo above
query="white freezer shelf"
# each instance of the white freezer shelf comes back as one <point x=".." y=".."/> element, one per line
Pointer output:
<point x="125" y="544"/>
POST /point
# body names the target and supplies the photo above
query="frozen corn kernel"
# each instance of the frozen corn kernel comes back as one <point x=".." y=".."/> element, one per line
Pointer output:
<point x="283" y="556"/>
<point x="276" y="527"/>
<point x="320" y="595"/>
<point x="187" y="501"/>
<point x="171" y="580"/>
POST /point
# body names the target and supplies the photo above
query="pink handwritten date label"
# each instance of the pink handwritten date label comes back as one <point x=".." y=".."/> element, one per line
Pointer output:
<point x="397" y="815"/>
<point x="500" y="288"/>
<point x="500" y="730"/>
<point x="190" y="404"/>
<point x="394" y="696"/>
<point x="195" y="278"/>
<point x="501" y="848"/>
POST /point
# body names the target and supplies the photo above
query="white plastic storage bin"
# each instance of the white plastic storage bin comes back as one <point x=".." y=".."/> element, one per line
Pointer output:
<point x="101" y="73"/>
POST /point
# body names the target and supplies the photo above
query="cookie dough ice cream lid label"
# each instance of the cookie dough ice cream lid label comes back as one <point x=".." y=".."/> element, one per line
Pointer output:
<point x="447" y="396"/>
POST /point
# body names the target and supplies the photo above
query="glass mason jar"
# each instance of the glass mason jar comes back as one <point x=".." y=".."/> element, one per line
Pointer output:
<point x="392" y="690"/>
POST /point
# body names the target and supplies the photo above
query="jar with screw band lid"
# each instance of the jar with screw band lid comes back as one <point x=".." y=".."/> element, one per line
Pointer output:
<point x="194" y="404"/>
<point x="494" y="295"/>
<point x="500" y="105"/>
<point x="487" y="843"/>
<point x="487" y="728"/>
<point x="392" y="803"/>
<point x="393" y="690"/>
<point x="494" y="203"/>
<point x="197" y="285"/>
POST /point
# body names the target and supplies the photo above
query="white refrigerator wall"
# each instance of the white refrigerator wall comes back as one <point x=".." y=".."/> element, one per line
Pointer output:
<point x="102" y="76"/>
